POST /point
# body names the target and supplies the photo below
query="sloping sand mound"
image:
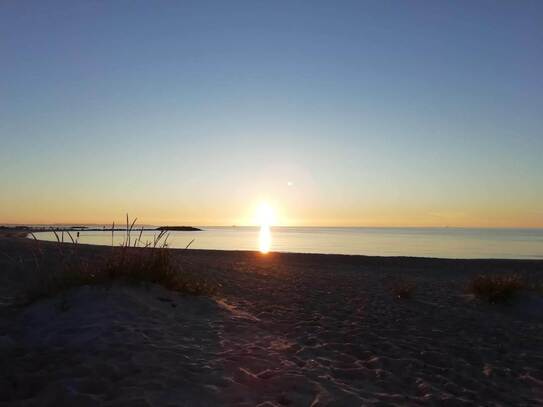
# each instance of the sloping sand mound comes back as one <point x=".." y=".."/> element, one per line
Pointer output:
<point x="117" y="345"/>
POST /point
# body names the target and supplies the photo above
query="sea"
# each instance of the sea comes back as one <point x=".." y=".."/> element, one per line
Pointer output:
<point x="464" y="243"/>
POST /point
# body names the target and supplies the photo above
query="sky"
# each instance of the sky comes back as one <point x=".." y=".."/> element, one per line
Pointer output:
<point x="347" y="113"/>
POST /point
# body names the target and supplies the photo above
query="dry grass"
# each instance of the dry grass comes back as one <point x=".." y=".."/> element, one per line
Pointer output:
<point x="496" y="288"/>
<point x="403" y="289"/>
<point x="133" y="261"/>
<point x="154" y="265"/>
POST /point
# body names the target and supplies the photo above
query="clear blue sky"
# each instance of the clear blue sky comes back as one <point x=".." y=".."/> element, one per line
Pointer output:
<point x="335" y="113"/>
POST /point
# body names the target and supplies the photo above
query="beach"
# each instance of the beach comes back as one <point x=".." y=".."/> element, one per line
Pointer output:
<point x="282" y="330"/>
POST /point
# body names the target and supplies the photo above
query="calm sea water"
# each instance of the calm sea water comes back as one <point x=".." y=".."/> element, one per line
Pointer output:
<point x="427" y="242"/>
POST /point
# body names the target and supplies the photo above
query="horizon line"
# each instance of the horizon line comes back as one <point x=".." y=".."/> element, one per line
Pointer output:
<point x="74" y="224"/>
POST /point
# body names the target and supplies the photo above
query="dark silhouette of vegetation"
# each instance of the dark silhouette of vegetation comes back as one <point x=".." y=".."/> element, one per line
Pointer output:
<point x="496" y="288"/>
<point x="403" y="289"/>
<point x="134" y="261"/>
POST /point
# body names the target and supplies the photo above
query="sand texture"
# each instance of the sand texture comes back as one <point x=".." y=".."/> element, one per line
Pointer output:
<point x="283" y="330"/>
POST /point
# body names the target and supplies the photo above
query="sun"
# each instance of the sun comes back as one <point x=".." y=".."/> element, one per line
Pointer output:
<point x="265" y="215"/>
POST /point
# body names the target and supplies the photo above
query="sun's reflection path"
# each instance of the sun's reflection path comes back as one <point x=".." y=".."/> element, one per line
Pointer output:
<point x="264" y="239"/>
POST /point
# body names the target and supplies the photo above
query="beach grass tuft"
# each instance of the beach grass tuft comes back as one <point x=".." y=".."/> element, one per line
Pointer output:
<point x="496" y="288"/>
<point x="403" y="289"/>
<point x="133" y="261"/>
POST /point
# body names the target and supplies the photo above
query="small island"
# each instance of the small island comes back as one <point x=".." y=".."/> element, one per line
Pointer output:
<point x="179" y="228"/>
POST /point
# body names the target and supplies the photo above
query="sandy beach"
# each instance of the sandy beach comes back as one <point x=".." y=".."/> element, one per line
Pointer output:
<point x="282" y="330"/>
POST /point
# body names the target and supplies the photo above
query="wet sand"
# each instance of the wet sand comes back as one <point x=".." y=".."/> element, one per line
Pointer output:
<point x="283" y="330"/>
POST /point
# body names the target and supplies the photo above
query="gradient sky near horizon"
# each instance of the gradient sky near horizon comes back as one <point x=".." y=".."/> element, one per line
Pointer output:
<point x="377" y="113"/>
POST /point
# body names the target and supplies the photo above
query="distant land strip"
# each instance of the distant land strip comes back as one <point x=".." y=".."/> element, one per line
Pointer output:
<point x="92" y="229"/>
<point x="179" y="228"/>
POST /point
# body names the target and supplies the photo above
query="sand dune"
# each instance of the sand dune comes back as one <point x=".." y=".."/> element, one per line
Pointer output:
<point x="284" y="330"/>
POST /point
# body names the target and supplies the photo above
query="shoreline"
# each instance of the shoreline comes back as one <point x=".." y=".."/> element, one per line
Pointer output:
<point x="361" y="257"/>
<point x="516" y="245"/>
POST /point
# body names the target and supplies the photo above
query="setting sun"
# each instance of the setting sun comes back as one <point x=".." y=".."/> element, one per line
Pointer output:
<point x="265" y="215"/>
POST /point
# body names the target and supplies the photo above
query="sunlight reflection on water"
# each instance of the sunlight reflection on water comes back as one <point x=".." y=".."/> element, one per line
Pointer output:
<point x="264" y="239"/>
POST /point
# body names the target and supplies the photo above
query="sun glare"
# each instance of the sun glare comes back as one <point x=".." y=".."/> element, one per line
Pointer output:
<point x="265" y="215"/>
